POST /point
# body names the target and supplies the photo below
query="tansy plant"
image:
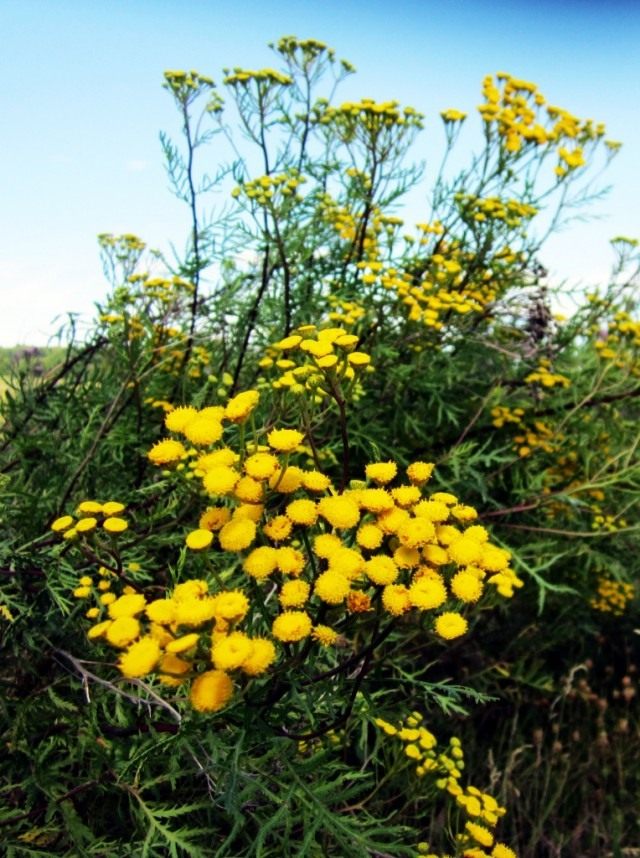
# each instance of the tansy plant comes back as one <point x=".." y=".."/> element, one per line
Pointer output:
<point x="296" y="581"/>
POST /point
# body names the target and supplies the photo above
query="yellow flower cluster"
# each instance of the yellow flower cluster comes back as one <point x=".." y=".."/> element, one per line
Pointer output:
<point x="612" y="596"/>
<point x="313" y="359"/>
<point x="244" y="77"/>
<point x="518" y="110"/>
<point x="606" y="521"/>
<point x="621" y="343"/>
<point x="289" y="46"/>
<point x="384" y="545"/>
<point x="539" y="437"/>
<point x="91" y="515"/>
<point x="445" y="768"/>
<point x="453" y="115"/>
<point x="479" y="209"/>
<point x="370" y="114"/>
<point x="544" y="376"/>
<point x="501" y="415"/>
<point x="272" y="191"/>
<point x="185" y="86"/>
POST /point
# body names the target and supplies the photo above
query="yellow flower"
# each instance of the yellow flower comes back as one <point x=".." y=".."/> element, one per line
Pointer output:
<point x="395" y="599"/>
<point x="324" y="635"/>
<point x="325" y="545"/>
<point x="314" y="481"/>
<point x="435" y="555"/>
<point x="420" y="472"/>
<point x="114" y="524"/>
<point x="161" y="611"/>
<point x="466" y="586"/>
<point x="250" y="511"/>
<point x="214" y="517"/>
<point x="285" y="440"/>
<point x="90" y="507"/>
<point x="381" y="472"/>
<point x="479" y="833"/>
<point x="502" y="851"/>
<point x="241" y="406"/>
<point x="261" y="562"/>
<point x="61" y="524"/>
<point x="450" y="625"/>
<point x="427" y="592"/>
<point x="261" y="466"/>
<point x="183" y="643"/>
<point x="369" y="536"/>
<point x="220" y="480"/>
<point x="170" y="663"/>
<point x="294" y="594"/>
<point x="286" y="481"/>
<point x="112" y="508"/>
<point x="140" y="658"/>
<point x="198" y="540"/>
<point x="302" y="512"/>
<point x="341" y="512"/>
<point x="332" y="587"/>
<point x="176" y="420"/>
<point x="291" y="626"/>
<point x="381" y="569"/>
<point x="416" y="532"/>
<point x="86" y="525"/>
<point x="359" y="359"/>
<point x="99" y="630"/>
<point x="231" y="651"/>
<point x="432" y="509"/>
<point x="127" y="606"/>
<point x="203" y="431"/>
<point x="123" y="631"/>
<point x="278" y="528"/>
<point x="263" y="654"/>
<point x="211" y="691"/>
<point x="249" y="490"/>
<point x="375" y="500"/>
<point x="347" y="561"/>
<point x="230" y="605"/>
<point x="406" y="558"/>
<point x="191" y="589"/>
<point x="237" y="534"/>
<point x="194" y="611"/>
<point x="406" y="496"/>
<point x="224" y="456"/>
<point x="166" y="452"/>
<point x="290" y="561"/>
<point x="82" y="592"/>
<point x="494" y="559"/>
<point x="288" y="343"/>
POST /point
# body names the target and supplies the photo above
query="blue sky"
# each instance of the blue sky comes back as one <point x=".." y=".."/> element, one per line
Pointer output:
<point x="82" y="104"/>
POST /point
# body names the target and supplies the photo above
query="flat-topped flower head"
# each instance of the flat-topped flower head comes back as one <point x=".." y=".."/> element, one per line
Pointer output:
<point x="241" y="406"/>
<point x="450" y="625"/>
<point x="340" y="511"/>
<point x="381" y="472"/>
<point x="285" y="440"/>
<point x="166" y="452"/>
<point x="176" y="420"/>
<point x="199" y="540"/>
<point x="291" y="626"/>
<point x="211" y="691"/>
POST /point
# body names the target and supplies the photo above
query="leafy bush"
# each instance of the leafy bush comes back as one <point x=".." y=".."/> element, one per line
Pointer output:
<point x="319" y="544"/>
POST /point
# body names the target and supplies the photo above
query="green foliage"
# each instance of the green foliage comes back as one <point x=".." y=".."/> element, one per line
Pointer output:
<point x="455" y="355"/>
